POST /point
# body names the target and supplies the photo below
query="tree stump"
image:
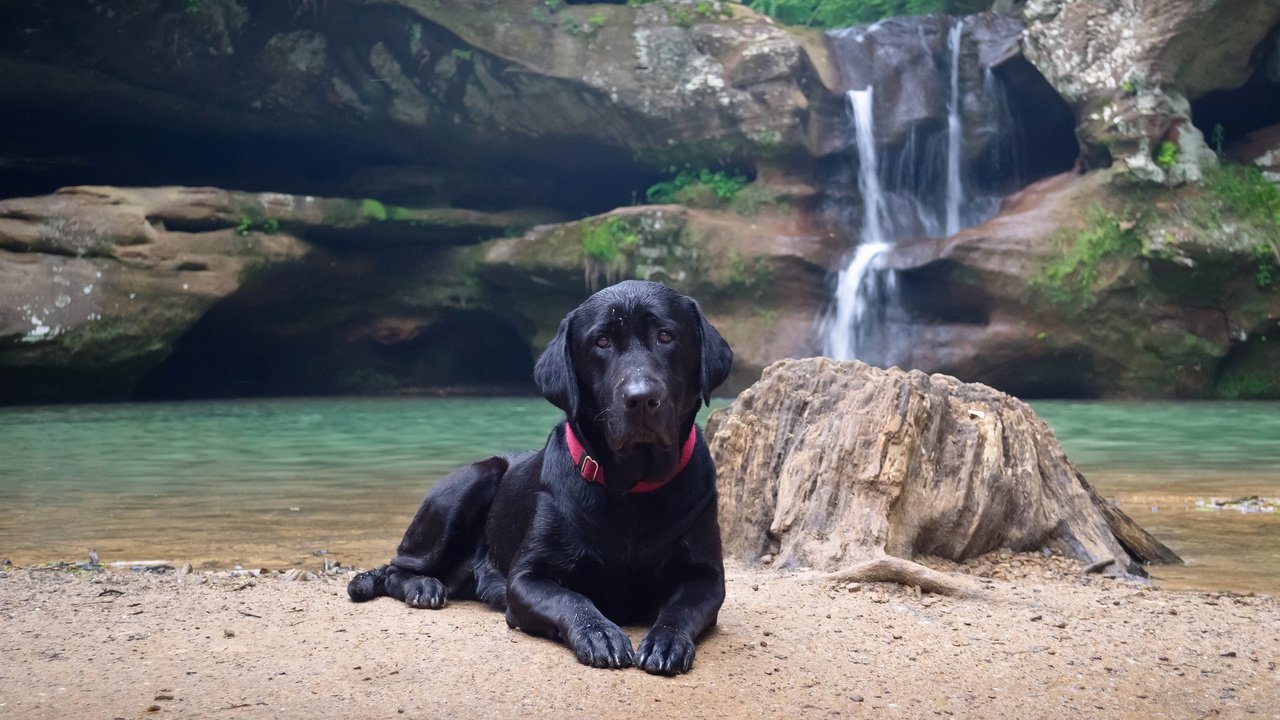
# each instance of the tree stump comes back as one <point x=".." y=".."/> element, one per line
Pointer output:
<point x="836" y="465"/>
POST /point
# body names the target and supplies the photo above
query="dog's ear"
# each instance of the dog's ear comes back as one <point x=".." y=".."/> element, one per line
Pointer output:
<point x="717" y="356"/>
<point x="554" y="372"/>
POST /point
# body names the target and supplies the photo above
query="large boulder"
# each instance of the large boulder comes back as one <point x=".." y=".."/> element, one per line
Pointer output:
<point x="1130" y="69"/>
<point x="759" y="276"/>
<point x="829" y="465"/>
<point x="98" y="284"/>
<point x="1084" y="287"/>
<point x="570" y="89"/>
<point x="94" y="289"/>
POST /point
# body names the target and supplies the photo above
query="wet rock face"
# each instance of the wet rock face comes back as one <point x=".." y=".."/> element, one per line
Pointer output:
<point x="1171" y="303"/>
<point x="459" y="85"/>
<point x="94" y="290"/>
<point x="1131" y="68"/>
<point x="907" y="60"/>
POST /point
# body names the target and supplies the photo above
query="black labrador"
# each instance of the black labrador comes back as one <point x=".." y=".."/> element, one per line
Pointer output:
<point x="613" y="521"/>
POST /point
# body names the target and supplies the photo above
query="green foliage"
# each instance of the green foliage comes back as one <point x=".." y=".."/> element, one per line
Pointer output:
<point x="248" y="223"/>
<point x="1130" y="87"/>
<point x="698" y="188"/>
<point x="552" y="4"/>
<point x="373" y="210"/>
<point x="845" y="13"/>
<point x="1248" y="386"/>
<point x="1219" y="139"/>
<point x="1265" y="272"/>
<point x="596" y="21"/>
<point x="606" y="240"/>
<point x="463" y="55"/>
<point x="191" y="7"/>
<point x="1167" y="155"/>
<point x="1068" y="282"/>
<point x="1246" y="193"/>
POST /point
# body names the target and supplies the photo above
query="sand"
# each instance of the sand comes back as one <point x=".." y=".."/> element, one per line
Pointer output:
<point x="1041" y="641"/>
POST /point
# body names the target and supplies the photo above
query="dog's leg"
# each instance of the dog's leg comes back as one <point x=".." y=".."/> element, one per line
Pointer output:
<point x="436" y="556"/>
<point x="668" y="648"/>
<point x="540" y="606"/>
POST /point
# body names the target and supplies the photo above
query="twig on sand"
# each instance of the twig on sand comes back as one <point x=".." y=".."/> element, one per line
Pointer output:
<point x="905" y="572"/>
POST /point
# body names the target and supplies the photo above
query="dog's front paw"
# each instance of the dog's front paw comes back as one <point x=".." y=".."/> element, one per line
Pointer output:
<point x="424" y="592"/>
<point x="368" y="585"/>
<point x="665" y="651"/>
<point x="600" y="643"/>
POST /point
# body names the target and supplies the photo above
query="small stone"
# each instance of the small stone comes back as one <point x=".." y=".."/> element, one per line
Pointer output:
<point x="853" y="587"/>
<point x="856" y="698"/>
<point x="228" y="633"/>
<point x="766" y="559"/>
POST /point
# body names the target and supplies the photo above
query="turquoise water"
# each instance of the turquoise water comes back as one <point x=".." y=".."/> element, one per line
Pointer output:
<point x="276" y="483"/>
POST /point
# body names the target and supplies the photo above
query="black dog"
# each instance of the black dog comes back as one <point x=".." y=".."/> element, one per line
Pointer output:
<point x="614" y="520"/>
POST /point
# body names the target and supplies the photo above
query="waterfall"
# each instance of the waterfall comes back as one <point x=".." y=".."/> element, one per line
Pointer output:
<point x="913" y="189"/>
<point x="841" y="338"/>
<point x="955" y="132"/>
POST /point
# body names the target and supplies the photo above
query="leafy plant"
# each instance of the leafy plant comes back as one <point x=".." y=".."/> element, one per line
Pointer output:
<point x="245" y="225"/>
<point x="700" y="188"/>
<point x="596" y="21"/>
<point x="1219" y="138"/>
<point x="463" y="55"/>
<point x="1167" y="155"/>
<point x="373" y="210"/>
<point x="845" y="13"/>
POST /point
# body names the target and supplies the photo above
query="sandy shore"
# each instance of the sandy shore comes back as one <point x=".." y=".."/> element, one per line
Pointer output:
<point x="1043" y="641"/>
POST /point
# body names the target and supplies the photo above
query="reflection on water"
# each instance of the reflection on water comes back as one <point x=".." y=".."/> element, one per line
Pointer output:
<point x="262" y="483"/>
<point x="275" y="483"/>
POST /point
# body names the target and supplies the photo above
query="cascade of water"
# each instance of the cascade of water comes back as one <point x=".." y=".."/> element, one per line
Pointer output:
<point x="841" y="337"/>
<point x="908" y="190"/>
<point x="955" y="132"/>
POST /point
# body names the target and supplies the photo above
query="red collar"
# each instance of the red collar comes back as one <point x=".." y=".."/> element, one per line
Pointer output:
<point x="593" y="473"/>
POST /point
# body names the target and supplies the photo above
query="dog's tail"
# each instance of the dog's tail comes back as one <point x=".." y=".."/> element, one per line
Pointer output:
<point x="368" y="585"/>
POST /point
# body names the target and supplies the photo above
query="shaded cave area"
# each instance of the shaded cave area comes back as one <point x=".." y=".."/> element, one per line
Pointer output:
<point x="1236" y="119"/>
<point x="361" y="329"/>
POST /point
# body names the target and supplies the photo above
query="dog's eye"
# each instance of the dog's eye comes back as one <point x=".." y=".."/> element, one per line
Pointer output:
<point x="602" y="342"/>
<point x="665" y="337"/>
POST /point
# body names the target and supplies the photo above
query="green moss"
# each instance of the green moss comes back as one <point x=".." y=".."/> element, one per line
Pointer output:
<point x="606" y="240"/>
<point x="751" y="280"/>
<point x="373" y="210"/>
<point x="1248" y="387"/>
<point x="1069" y="281"/>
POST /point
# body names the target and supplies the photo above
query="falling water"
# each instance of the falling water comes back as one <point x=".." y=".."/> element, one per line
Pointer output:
<point x="851" y="305"/>
<point x="916" y="189"/>
<point x="955" y="132"/>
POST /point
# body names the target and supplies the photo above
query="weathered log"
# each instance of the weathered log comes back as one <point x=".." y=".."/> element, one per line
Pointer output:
<point x="830" y="464"/>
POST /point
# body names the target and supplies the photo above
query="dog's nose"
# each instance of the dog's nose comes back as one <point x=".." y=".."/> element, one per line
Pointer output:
<point x="640" y="396"/>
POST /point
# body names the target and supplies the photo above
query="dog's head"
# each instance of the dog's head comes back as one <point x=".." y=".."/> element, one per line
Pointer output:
<point x="630" y="367"/>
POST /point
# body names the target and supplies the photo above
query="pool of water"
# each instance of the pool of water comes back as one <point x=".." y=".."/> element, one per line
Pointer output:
<point x="279" y="483"/>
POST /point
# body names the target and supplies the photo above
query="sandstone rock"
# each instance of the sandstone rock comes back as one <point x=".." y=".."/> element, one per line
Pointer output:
<point x="1130" y="68"/>
<point x="829" y="465"/>
<point x="759" y="277"/>
<point x="98" y="283"/>
<point x="1167" y="315"/>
